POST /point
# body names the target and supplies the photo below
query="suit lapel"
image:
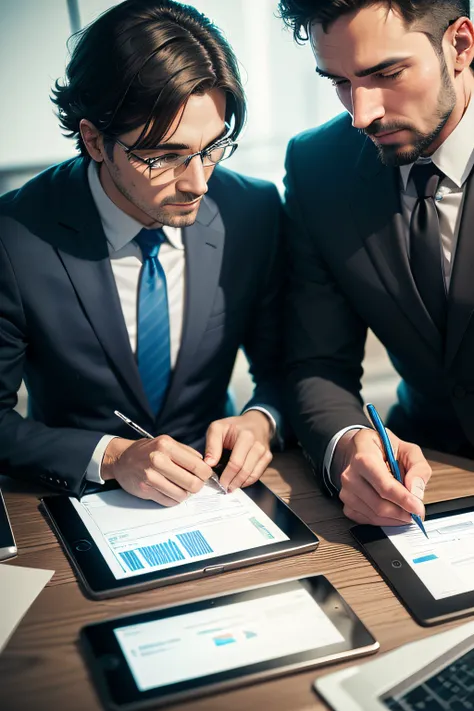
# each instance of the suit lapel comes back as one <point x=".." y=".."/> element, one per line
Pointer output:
<point x="461" y="292"/>
<point x="204" y="245"/>
<point x="82" y="248"/>
<point x="378" y="212"/>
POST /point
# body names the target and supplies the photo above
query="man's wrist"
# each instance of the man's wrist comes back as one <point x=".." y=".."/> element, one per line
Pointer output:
<point x="259" y="422"/>
<point x="112" y="454"/>
<point x="341" y="456"/>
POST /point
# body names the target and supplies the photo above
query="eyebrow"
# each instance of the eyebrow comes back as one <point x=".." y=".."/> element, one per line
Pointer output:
<point x="365" y="72"/>
<point x="182" y="146"/>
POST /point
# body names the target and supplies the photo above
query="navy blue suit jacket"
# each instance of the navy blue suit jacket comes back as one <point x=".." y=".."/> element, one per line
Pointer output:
<point x="62" y="328"/>
<point x="349" y="270"/>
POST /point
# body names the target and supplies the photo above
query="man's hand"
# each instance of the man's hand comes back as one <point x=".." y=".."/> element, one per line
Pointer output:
<point x="369" y="492"/>
<point x="159" y="469"/>
<point x="248" y="437"/>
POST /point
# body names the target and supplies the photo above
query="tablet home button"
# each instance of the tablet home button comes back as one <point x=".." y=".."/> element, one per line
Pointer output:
<point x="109" y="662"/>
<point x="82" y="546"/>
<point x="396" y="564"/>
<point x="214" y="569"/>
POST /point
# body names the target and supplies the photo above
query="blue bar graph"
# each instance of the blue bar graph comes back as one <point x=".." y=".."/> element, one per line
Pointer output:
<point x="132" y="560"/>
<point x="161" y="553"/>
<point x="425" y="558"/>
<point x="194" y="543"/>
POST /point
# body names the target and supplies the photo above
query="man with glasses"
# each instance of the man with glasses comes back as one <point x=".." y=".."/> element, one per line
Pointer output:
<point x="130" y="277"/>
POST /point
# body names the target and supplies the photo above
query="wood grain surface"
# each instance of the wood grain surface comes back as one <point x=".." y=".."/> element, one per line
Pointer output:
<point x="42" y="668"/>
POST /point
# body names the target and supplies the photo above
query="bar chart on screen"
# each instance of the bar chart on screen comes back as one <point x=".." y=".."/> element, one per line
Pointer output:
<point x="166" y="552"/>
<point x="137" y="536"/>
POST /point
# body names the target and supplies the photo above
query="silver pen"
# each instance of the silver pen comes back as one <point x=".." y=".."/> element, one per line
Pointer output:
<point x="214" y="478"/>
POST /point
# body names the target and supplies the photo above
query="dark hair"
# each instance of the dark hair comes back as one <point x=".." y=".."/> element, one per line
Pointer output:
<point x="138" y="63"/>
<point x="438" y="14"/>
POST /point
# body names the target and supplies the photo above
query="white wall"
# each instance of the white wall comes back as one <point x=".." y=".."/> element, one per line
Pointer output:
<point x="285" y="95"/>
<point x="32" y="55"/>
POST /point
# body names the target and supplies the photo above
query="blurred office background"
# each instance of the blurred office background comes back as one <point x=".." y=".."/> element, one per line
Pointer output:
<point x="285" y="96"/>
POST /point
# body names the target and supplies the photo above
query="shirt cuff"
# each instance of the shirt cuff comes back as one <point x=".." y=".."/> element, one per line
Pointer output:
<point x="95" y="464"/>
<point x="329" y="454"/>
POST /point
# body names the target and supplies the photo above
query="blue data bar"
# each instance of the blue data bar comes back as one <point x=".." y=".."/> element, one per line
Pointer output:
<point x="425" y="558"/>
<point x="132" y="560"/>
<point x="194" y="543"/>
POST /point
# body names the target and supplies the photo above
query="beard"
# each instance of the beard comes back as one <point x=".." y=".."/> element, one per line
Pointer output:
<point x="158" y="214"/>
<point x="397" y="154"/>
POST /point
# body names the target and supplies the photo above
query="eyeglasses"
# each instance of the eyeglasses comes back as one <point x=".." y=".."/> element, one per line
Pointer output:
<point x="219" y="151"/>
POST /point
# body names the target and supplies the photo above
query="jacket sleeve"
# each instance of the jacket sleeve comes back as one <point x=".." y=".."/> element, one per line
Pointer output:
<point x="263" y="344"/>
<point x="325" y="338"/>
<point x="29" y="450"/>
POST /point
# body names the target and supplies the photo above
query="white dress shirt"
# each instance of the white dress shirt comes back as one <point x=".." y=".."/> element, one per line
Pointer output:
<point x="126" y="261"/>
<point x="455" y="158"/>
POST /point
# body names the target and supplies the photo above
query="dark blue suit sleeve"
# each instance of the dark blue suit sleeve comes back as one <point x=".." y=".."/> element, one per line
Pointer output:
<point x="30" y="450"/>
<point x="263" y="344"/>
<point x="324" y="336"/>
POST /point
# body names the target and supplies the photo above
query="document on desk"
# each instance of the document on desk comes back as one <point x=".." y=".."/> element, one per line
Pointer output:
<point x="136" y="536"/>
<point x="19" y="587"/>
<point x="445" y="561"/>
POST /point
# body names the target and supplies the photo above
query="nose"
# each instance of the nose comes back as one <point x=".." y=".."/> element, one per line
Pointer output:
<point x="193" y="179"/>
<point x="367" y="106"/>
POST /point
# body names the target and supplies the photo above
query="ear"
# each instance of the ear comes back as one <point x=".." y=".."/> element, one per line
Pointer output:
<point x="92" y="139"/>
<point x="460" y="36"/>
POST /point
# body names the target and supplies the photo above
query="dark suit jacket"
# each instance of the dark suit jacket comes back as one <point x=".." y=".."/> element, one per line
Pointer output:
<point x="350" y="271"/>
<point x="62" y="328"/>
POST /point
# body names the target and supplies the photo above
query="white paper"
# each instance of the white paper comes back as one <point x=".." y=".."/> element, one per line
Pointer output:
<point x="136" y="536"/>
<point x="19" y="587"/>
<point x="444" y="562"/>
<point x="201" y="643"/>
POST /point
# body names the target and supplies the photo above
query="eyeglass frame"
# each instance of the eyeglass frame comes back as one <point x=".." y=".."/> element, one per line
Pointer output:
<point x="223" y="142"/>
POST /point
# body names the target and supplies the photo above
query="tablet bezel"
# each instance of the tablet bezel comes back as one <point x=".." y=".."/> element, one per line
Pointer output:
<point x="405" y="583"/>
<point x="98" y="581"/>
<point x="119" y="691"/>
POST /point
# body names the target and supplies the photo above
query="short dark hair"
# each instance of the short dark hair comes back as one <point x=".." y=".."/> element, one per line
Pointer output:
<point x="440" y="14"/>
<point x="138" y="63"/>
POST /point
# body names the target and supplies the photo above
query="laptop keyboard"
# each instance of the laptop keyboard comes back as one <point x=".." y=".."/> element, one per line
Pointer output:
<point x="451" y="689"/>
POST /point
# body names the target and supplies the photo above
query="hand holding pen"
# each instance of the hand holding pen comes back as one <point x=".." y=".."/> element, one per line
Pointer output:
<point x="213" y="479"/>
<point x="371" y="494"/>
<point x="156" y="468"/>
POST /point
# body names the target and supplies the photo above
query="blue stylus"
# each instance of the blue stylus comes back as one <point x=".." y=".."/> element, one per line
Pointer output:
<point x="389" y="455"/>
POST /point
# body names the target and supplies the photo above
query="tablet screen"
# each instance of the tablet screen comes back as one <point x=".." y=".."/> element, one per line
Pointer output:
<point x="213" y="640"/>
<point x="444" y="562"/>
<point x="137" y="536"/>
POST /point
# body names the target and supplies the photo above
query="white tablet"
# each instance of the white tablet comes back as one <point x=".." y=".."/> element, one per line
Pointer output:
<point x="118" y="542"/>
<point x="205" y="646"/>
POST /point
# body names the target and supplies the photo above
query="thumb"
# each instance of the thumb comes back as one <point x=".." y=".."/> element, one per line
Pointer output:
<point x="214" y="444"/>
<point x="418" y="473"/>
<point x="417" y="487"/>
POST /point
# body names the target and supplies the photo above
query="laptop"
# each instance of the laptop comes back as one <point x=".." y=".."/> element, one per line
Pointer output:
<point x="433" y="674"/>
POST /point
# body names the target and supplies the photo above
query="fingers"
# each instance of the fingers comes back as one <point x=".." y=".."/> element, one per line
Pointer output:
<point x="418" y="471"/>
<point x="150" y="493"/>
<point x="372" y="468"/>
<point x="359" y="517"/>
<point x="214" y="443"/>
<point x="179" y="462"/>
<point x="366" y="502"/>
<point x="259" y="469"/>
<point x="247" y="462"/>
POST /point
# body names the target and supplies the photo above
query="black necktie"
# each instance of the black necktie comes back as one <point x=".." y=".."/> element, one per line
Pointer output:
<point x="425" y="243"/>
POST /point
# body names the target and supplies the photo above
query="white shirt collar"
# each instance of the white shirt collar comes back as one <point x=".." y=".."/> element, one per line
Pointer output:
<point x="454" y="157"/>
<point x="120" y="228"/>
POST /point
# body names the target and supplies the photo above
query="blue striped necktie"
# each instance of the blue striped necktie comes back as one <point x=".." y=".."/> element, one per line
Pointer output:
<point x="153" y="343"/>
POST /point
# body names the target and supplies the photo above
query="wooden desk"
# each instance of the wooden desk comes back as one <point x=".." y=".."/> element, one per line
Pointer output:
<point x="41" y="668"/>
